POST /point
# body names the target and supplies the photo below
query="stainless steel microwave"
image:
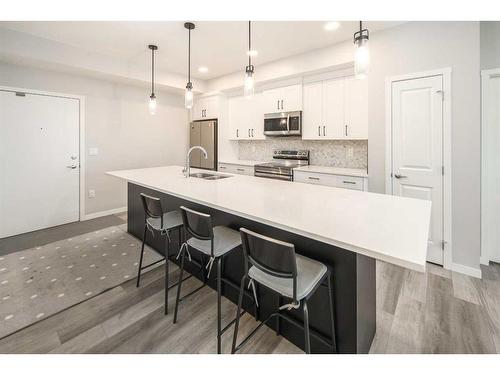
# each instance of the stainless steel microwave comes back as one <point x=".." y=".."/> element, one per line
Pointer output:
<point x="283" y="123"/>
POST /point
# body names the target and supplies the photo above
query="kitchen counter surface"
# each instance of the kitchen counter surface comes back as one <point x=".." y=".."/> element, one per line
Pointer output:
<point x="355" y="172"/>
<point x="248" y="163"/>
<point x="389" y="228"/>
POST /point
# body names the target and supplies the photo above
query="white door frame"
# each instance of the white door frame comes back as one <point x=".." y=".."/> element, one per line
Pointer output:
<point x="447" y="204"/>
<point x="486" y="74"/>
<point x="81" y="110"/>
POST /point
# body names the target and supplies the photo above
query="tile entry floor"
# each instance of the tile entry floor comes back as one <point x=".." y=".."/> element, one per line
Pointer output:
<point x="436" y="312"/>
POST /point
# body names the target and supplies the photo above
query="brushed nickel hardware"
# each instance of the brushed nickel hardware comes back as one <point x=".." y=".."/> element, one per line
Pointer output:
<point x="400" y="176"/>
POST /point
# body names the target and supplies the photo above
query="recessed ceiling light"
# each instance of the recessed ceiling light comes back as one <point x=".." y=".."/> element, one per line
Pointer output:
<point x="203" y="69"/>
<point x="252" y="53"/>
<point x="332" y="25"/>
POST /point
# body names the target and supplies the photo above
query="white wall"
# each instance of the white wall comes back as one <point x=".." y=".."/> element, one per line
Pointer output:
<point x="490" y="44"/>
<point x="407" y="48"/>
<point x="117" y="122"/>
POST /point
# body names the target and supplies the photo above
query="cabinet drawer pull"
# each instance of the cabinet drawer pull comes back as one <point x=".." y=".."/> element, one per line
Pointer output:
<point x="313" y="178"/>
<point x="222" y="167"/>
<point x="349" y="182"/>
<point x="240" y="169"/>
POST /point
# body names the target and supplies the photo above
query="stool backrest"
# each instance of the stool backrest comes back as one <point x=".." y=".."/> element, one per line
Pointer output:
<point x="152" y="207"/>
<point x="274" y="257"/>
<point x="198" y="225"/>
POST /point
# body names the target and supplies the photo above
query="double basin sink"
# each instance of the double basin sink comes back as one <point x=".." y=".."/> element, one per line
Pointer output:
<point x="209" y="176"/>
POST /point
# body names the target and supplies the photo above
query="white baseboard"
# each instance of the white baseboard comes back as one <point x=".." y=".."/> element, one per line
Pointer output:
<point x="104" y="213"/>
<point x="484" y="260"/>
<point x="466" y="270"/>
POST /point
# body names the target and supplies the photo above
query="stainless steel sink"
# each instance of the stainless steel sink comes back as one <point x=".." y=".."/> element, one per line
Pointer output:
<point x="209" y="176"/>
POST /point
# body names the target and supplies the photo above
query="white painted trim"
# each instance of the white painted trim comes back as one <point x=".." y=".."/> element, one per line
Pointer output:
<point x="484" y="261"/>
<point x="447" y="122"/>
<point x="486" y="75"/>
<point x="81" y="100"/>
<point x="104" y="213"/>
<point x="466" y="270"/>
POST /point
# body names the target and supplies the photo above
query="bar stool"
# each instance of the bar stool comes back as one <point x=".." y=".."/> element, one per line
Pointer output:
<point x="215" y="242"/>
<point x="163" y="222"/>
<point x="275" y="265"/>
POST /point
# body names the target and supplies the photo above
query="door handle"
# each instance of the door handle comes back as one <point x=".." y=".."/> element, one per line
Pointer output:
<point x="400" y="176"/>
<point x="72" y="166"/>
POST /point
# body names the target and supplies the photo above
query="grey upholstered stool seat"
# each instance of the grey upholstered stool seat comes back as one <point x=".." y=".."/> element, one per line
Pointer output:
<point x="171" y="220"/>
<point x="309" y="274"/>
<point x="225" y="240"/>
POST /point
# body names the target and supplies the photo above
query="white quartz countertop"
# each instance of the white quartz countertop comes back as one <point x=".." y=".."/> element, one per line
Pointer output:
<point x="389" y="228"/>
<point x="248" y="163"/>
<point x="355" y="172"/>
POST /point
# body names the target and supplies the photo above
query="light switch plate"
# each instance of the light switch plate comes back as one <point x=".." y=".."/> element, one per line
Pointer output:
<point x="93" y="151"/>
<point x="91" y="193"/>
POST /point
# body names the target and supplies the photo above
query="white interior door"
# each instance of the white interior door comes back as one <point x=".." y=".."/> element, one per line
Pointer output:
<point x="417" y="149"/>
<point x="39" y="162"/>
<point x="490" y="174"/>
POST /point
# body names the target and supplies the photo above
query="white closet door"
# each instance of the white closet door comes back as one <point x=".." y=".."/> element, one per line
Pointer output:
<point x="39" y="162"/>
<point x="417" y="144"/>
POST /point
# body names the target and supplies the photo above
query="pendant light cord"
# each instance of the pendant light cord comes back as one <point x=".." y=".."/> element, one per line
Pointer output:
<point x="152" y="71"/>
<point x="189" y="55"/>
<point x="249" y="44"/>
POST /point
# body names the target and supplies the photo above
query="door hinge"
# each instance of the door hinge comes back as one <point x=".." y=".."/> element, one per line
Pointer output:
<point x="443" y="243"/>
<point x="442" y="170"/>
<point x="441" y="92"/>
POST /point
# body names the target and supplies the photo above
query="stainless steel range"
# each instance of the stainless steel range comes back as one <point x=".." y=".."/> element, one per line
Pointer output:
<point x="282" y="166"/>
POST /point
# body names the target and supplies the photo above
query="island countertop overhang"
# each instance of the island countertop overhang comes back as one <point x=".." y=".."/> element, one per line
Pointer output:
<point x="384" y="227"/>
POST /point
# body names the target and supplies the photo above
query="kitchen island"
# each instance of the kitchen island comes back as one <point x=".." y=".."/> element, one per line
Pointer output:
<point x="345" y="229"/>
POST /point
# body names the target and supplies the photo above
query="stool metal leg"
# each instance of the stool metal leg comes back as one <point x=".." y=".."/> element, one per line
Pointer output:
<point x="237" y="322"/>
<point x="278" y="318"/>
<point x="219" y="291"/>
<point x="142" y="254"/>
<point x="330" y="295"/>
<point x="179" y="285"/>
<point x="167" y="251"/>
<point x="306" y="329"/>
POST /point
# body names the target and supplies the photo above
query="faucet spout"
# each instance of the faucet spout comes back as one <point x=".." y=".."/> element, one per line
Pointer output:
<point x="187" y="166"/>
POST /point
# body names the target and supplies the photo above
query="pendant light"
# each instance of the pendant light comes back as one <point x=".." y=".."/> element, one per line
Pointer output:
<point x="188" y="96"/>
<point x="152" y="97"/>
<point x="362" y="53"/>
<point x="249" y="85"/>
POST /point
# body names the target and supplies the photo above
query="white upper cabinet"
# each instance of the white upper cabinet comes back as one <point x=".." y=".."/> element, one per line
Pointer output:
<point x="335" y="109"/>
<point x="356" y="109"/>
<point x="282" y="99"/>
<point x="205" y="108"/>
<point x="246" y="119"/>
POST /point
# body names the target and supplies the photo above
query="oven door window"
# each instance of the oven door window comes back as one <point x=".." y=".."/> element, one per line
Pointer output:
<point x="275" y="124"/>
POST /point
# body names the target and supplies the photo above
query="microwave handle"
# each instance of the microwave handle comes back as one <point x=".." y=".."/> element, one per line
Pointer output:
<point x="288" y="123"/>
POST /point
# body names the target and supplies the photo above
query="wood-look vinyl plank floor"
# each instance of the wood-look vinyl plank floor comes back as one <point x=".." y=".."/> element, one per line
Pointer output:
<point x="433" y="312"/>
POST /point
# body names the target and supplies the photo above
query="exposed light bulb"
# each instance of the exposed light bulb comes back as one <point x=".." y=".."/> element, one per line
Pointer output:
<point x="361" y="59"/>
<point x="152" y="104"/>
<point x="188" y="96"/>
<point x="331" y="26"/>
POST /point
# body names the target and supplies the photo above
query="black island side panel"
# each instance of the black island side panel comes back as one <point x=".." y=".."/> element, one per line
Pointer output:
<point x="353" y="277"/>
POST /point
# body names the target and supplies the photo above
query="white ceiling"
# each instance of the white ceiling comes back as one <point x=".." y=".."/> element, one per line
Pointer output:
<point x="218" y="45"/>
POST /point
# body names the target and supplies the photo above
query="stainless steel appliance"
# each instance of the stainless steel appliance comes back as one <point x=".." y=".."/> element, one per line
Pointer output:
<point x="203" y="133"/>
<point x="282" y="166"/>
<point x="283" y="123"/>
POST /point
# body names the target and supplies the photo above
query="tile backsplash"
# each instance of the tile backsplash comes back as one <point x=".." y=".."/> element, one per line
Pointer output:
<point x="345" y="154"/>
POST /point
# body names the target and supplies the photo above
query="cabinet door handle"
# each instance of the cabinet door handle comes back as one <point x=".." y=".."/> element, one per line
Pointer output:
<point x="278" y="104"/>
<point x="346" y="130"/>
<point x="313" y="178"/>
<point x="237" y="133"/>
<point x="319" y="131"/>
<point x="324" y="131"/>
<point x="281" y="103"/>
<point x="349" y="182"/>
<point x="240" y="169"/>
<point x="252" y="133"/>
<point x="222" y="167"/>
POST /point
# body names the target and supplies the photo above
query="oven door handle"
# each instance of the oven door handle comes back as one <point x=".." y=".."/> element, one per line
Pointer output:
<point x="288" y="123"/>
<point x="273" y="176"/>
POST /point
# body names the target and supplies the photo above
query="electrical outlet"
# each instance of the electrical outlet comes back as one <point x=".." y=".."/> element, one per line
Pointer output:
<point x="350" y="152"/>
<point x="91" y="193"/>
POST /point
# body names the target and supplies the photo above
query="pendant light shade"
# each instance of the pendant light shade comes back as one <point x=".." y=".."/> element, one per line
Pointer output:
<point x="249" y="84"/>
<point x="188" y="95"/>
<point x="362" y="52"/>
<point x="152" y="97"/>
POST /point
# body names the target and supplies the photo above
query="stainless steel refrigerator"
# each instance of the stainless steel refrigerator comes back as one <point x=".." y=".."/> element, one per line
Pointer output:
<point x="204" y="133"/>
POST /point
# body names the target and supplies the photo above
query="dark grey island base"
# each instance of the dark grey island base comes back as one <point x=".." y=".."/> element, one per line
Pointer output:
<point x="353" y="277"/>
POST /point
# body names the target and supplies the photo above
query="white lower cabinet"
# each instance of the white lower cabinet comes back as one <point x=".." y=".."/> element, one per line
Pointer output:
<point x="236" y="169"/>
<point x="334" y="180"/>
